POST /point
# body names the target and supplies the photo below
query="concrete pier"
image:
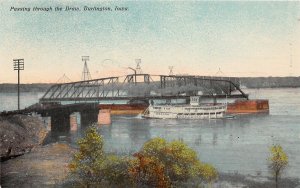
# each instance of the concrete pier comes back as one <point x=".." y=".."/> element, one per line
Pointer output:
<point x="104" y="117"/>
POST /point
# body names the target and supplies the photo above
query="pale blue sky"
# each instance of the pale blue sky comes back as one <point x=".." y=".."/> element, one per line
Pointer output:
<point x="240" y="38"/>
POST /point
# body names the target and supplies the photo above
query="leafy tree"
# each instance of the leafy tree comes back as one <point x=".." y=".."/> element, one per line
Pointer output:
<point x="91" y="166"/>
<point x="146" y="170"/>
<point x="278" y="161"/>
<point x="158" y="164"/>
<point x="115" y="171"/>
<point x="163" y="164"/>
<point x="206" y="171"/>
<point x="87" y="161"/>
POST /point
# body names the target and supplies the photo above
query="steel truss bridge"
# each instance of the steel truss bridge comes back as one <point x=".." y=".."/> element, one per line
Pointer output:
<point x="144" y="87"/>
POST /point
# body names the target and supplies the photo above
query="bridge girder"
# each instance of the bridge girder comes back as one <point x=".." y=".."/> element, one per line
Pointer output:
<point x="137" y="86"/>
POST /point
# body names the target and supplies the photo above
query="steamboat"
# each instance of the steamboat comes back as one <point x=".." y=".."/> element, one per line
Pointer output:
<point x="194" y="110"/>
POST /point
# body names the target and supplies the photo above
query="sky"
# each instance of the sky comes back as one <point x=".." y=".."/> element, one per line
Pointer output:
<point x="197" y="38"/>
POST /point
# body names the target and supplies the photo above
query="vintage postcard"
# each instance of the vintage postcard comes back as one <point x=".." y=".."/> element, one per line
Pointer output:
<point x="149" y="93"/>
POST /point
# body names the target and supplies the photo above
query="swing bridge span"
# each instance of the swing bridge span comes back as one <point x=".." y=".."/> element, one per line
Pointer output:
<point x="144" y="87"/>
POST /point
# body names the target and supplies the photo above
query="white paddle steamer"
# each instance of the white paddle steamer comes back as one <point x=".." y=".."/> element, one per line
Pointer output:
<point x="194" y="110"/>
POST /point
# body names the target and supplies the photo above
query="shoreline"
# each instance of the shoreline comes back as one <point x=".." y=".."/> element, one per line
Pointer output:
<point x="47" y="166"/>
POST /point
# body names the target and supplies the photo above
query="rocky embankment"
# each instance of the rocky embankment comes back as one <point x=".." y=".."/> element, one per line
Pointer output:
<point x="19" y="134"/>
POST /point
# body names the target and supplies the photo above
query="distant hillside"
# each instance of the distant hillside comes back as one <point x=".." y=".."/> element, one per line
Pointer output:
<point x="270" y="82"/>
<point x="11" y="88"/>
<point x="249" y="82"/>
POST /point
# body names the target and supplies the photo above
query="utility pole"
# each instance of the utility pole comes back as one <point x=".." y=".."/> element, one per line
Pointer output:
<point x="86" y="75"/>
<point x="18" y="65"/>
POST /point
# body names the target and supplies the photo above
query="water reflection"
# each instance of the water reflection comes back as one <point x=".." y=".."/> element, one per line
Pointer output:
<point x="232" y="145"/>
<point x="215" y="138"/>
<point x="198" y="140"/>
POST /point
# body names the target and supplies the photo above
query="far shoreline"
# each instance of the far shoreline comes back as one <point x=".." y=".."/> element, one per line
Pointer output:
<point x="244" y="82"/>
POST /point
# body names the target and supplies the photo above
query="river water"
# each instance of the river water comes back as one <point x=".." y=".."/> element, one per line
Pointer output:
<point x="239" y="145"/>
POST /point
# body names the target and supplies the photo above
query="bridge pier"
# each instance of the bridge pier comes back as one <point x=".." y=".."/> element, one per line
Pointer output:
<point x="87" y="118"/>
<point x="61" y="116"/>
<point x="60" y="122"/>
<point x="75" y="121"/>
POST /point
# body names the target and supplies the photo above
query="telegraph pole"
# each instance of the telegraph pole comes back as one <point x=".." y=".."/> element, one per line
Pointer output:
<point x="18" y="65"/>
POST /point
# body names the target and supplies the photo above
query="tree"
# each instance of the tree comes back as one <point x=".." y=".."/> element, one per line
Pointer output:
<point x="86" y="162"/>
<point x="91" y="166"/>
<point x="278" y="161"/>
<point x="207" y="172"/>
<point x="115" y="170"/>
<point x="159" y="164"/>
<point x="162" y="164"/>
<point x="146" y="170"/>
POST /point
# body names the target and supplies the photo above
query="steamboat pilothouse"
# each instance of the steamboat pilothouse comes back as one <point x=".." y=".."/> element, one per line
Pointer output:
<point x="194" y="110"/>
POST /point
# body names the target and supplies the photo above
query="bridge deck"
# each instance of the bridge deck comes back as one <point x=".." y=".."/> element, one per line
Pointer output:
<point x="93" y="99"/>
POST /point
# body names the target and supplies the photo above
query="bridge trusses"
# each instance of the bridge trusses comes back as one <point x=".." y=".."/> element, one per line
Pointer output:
<point x="143" y="86"/>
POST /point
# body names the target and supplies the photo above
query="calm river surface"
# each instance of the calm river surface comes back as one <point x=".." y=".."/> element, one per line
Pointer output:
<point x="239" y="145"/>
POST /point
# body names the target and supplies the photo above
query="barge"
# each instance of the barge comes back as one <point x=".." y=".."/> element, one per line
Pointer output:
<point x="248" y="106"/>
<point x="124" y="109"/>
<point x="235" y="107"/>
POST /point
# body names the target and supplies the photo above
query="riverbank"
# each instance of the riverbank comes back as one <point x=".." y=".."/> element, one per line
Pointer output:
<point x="47" y="166"/>
<point x="230" y="180"/>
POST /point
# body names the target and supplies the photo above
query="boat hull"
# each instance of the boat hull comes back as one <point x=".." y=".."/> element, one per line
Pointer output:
<point x="185" y="112"/>
<point x="248" y="106"/>
<point x="124" y="109"/>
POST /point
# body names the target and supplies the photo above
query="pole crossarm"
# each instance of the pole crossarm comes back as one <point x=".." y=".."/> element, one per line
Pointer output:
<point x="139" y="86"/>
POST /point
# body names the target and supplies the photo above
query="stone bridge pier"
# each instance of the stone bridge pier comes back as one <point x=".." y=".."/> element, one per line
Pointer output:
<point x="60" y="115"/>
